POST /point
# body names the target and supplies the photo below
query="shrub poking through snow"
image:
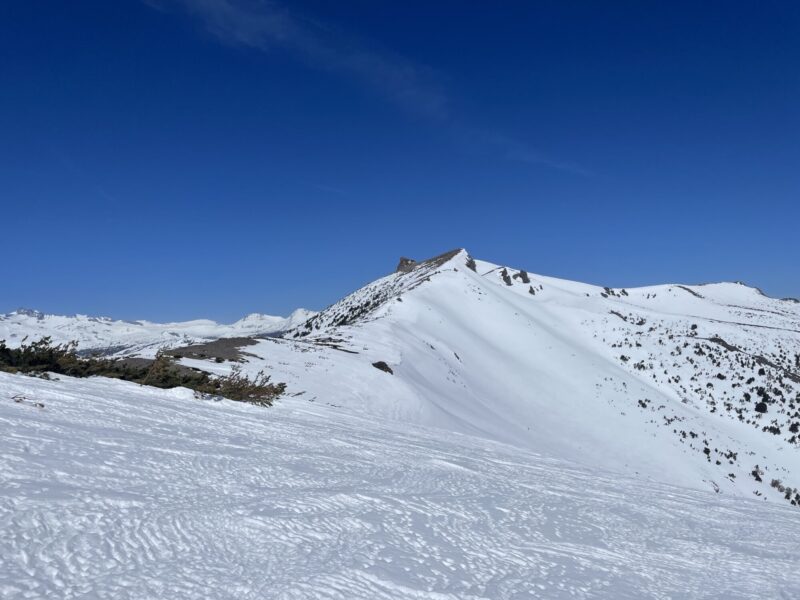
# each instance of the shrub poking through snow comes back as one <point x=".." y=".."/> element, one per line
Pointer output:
<point x="258" y="390"/>
<point x="42" y="357"/>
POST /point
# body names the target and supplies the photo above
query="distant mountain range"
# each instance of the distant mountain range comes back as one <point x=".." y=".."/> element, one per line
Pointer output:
<point x="109" y="337"/>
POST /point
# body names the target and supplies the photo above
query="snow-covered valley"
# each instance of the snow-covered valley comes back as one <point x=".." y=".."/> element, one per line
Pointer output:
<point x="457" y="429"/>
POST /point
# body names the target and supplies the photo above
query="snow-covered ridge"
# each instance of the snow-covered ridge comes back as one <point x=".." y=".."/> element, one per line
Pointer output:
<point x="118" y="337"/>
<point x="359" y="305"/>
<point x="697" y="385"/>
<point x="521" y="436"/>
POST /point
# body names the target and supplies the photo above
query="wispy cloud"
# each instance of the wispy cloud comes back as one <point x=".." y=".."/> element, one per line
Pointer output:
<point x="265" y="25"/>
<point x="518" y="151"/>
<point x="80" y="175"/>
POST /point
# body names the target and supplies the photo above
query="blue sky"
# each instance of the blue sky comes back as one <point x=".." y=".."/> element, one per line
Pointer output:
<point x="172" y="159"/>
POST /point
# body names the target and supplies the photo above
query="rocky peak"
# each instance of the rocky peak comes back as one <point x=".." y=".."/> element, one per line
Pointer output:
<point x="405" y="265"/>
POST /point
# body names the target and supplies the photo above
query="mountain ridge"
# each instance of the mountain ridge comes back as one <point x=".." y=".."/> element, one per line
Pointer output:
<point x="692" y="385"/>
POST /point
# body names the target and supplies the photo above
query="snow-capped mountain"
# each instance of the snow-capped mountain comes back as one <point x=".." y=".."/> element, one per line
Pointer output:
<point x="697" y="385"/>
<point x="110" y="337"/>
<point x="456" y="429"/>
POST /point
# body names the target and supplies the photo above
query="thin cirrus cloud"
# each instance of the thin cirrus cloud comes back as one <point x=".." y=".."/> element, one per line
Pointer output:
<point x="265" y="25"/>
<point x="485" y="142"/>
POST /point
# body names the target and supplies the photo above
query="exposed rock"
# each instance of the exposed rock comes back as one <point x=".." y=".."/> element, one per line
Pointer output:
<point x="523" y="275"/>
<point x="222" y="349"/>
<point x="405" y="265"/>
<point x="383" y="367"/>
<point x="29" y="312"/>
<point x="691" y="291"/>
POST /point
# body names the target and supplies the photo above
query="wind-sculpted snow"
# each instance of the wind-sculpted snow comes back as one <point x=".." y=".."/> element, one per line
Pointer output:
<point x="110" y="490"/>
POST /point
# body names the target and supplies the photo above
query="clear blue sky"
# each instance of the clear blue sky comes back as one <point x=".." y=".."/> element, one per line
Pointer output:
<point x="171" y="159"/>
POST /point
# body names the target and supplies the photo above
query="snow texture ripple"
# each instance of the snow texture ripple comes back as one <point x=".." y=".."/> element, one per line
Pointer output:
<point x="111" y="490"/>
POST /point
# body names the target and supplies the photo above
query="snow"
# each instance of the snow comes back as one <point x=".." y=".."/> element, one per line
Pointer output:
<point x="142" y="338"/>
<point x="546" y="438"/>
<point x="571" y="371"/>
<point x="112" y="490"/>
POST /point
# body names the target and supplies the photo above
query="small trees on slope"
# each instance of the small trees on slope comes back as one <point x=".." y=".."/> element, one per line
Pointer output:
<point x="42" y="357"/>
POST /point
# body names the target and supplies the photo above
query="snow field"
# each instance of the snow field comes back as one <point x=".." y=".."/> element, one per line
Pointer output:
<point x="111" y="490"/>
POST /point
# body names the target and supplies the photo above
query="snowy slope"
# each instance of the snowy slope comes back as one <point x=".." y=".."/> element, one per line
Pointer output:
<point x="668" y="383"/>
<point x="122" y="338"/>
<point x="111" y="490"/>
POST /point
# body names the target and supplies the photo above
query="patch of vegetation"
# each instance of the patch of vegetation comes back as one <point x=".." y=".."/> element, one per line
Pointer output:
<point x="43" y="357"/>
